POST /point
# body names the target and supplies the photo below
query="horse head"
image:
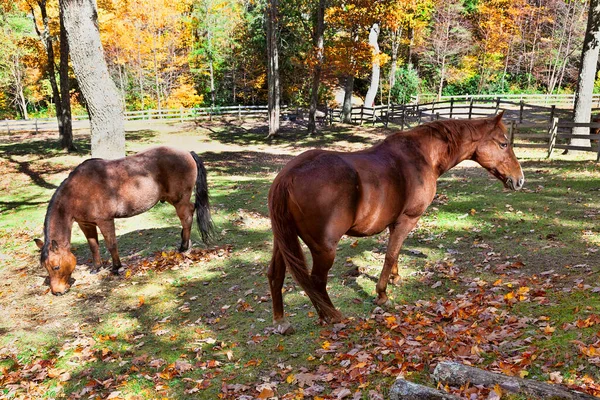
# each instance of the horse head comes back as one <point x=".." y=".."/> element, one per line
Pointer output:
<point x="60" y="263"/>
<point x="494" y="153"/>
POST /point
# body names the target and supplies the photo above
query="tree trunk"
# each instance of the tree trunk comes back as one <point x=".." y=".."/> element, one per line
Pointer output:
<point x="66" y="134"/>
<point x="273" y="66"/>
<point x="50" y="71"/>
<point x="455" y="374"/>
<point x="318" y="42"/>
<point x="376" y="68"/>
<point x="347" y="107"/>
<point x="212" y="83"/>
<point x="395" y="39"/>
<point x="101" y="95"/>
<point x="587" y="74"/>
<point x="406" y="390"/>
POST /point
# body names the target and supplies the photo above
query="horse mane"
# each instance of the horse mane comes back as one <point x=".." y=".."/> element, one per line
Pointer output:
<point x="451" y="132"/>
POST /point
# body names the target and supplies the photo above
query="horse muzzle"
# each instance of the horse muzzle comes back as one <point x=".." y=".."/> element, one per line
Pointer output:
<point x="515" y="184"/>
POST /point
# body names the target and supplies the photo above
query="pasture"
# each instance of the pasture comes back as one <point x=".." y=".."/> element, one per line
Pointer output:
<point x="505" y="281"/>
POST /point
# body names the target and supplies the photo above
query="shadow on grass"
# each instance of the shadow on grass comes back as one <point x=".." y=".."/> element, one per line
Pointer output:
<point x="43" y="148"/>
<point x="293" y="134"/>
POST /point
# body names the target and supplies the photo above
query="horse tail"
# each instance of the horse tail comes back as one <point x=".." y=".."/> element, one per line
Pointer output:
<point x="287" y="244"/>
<point x="201" y="204"/>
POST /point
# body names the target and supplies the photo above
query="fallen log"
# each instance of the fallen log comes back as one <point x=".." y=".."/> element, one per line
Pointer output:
<point x="455" y="374"/>
<point x="405" y="390"/>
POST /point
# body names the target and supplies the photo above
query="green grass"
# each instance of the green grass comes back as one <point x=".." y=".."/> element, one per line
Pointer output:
<point x="214" y="315"/>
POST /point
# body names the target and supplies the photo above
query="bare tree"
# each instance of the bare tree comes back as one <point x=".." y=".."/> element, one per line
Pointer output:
<point x="318" y="42"/>
<point x="104" y="103"/>
<point x="60" y="95"/>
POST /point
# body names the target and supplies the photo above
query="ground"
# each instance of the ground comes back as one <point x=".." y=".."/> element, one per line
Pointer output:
<point x="506" y="281"/>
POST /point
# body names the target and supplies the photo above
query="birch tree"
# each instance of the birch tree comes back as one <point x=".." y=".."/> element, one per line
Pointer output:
<point x="376" y="67"/>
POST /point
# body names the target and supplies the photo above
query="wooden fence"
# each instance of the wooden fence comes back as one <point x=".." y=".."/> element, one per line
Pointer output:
<point x="532" y="126"/>
<point x="177" y="114"/>
<point x="559" y="100"/>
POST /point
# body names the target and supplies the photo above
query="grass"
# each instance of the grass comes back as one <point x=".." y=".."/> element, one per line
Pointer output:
<point x="201" y="326"/>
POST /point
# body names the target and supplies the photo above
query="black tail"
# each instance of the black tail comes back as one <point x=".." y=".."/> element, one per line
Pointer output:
<point x="201" y="204"/>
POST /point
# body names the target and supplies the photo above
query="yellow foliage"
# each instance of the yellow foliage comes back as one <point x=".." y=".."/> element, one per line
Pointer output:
<point x="185" y="96"/>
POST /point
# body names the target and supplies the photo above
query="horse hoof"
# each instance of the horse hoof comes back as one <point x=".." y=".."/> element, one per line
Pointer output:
<point x="284" y="328"/>
<point x="395" y="279"/>
<point x="94" y="270"/>
<point x="381" y="301"/>
<point x="118" y="270"/>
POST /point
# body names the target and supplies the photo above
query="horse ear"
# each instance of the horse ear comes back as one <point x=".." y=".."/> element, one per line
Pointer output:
<point x="54" y="245"/>
<point x="498" y="117"/>
<point x="39" y="243"/>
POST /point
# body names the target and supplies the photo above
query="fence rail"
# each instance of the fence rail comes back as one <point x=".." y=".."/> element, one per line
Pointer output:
<point x="559" y="100"/>
<point x="173" y="114"/>
<point x="531" y="125"/>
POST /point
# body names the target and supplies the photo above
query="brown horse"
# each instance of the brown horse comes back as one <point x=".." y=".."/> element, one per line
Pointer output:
<point x="322" y="195"/>
<point x="98" y="191"/>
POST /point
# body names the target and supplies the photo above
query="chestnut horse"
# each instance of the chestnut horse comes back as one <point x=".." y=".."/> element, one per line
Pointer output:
<point x="322" y="195"/>
<point x="98" y="191"/>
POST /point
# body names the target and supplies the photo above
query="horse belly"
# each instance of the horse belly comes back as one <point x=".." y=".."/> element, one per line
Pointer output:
<point x="137" y="198"/>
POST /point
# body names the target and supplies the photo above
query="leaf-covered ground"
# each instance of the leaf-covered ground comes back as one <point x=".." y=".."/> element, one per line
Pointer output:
<point x="500" y="280"/>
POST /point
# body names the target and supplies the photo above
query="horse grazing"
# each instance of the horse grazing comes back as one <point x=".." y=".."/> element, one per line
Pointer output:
<point x="322" y="195"/>
<point x="98" y="191"/>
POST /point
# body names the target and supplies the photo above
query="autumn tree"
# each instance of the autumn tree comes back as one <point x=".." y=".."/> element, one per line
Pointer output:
<point x="103" y="100"/>
<point x="449" y="38"/>
<point x="13" y="32"/>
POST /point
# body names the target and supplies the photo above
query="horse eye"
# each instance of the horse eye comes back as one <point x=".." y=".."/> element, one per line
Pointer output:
<point x="56" y="268"/>
<point x="503" y="145"/>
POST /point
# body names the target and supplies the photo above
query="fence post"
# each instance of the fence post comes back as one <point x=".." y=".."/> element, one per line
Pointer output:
<point x="362" y="112"/>
<point x="437" y="116"/>
<point x="552" y="111"/>
<point x="7" y="126"/>
<point x="497" y="104"/>
<point x="521" y="104"/>
<point x="470" y="108"/>
<point x="552" y="140"/>
<point x="419" y="113"/>
<point x="181" y="114"/>
<point x="373" y="118"/>
<point x="36" y="127"/>
<point x="511" y="132"/>
<point x="451" y="106"/>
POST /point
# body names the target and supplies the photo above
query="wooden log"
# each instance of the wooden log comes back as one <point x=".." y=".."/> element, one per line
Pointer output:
<point x="456" y="374"/>
<point x="405" y="390"/>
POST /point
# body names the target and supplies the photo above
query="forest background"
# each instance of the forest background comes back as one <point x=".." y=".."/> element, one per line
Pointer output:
<point x="185" y="53"/>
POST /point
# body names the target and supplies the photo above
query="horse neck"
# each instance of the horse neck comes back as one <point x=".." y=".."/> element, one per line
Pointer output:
<point x="441" y="155"/>
<point x="58" y="224"/>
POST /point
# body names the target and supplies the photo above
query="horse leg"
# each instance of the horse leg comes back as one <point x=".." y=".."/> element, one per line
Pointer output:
<point x="185" y="212"/>
<point x="322" y="262"/>
<point x="276" y="275"/>
<point x="398" y="232"/>
<point x="110" y="239"/>
<point x="91" y="233"/>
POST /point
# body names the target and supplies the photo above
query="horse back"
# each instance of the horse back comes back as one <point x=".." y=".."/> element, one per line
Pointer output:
<point x="131" y="185"/>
